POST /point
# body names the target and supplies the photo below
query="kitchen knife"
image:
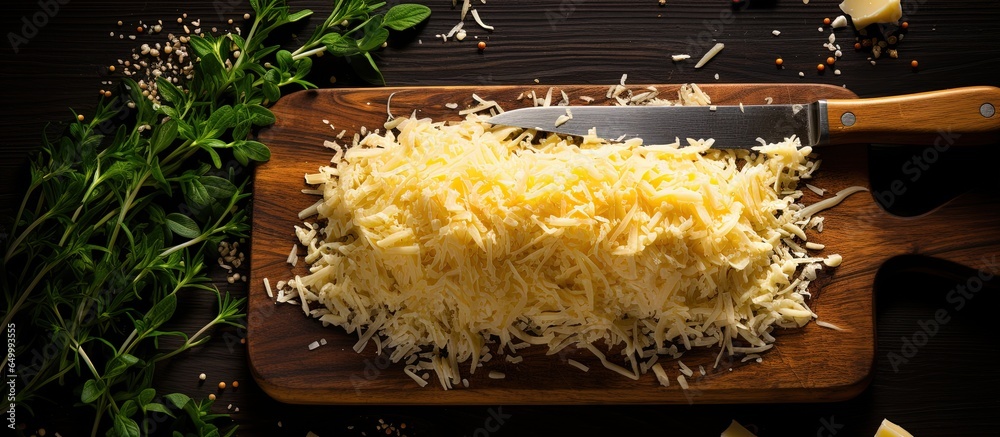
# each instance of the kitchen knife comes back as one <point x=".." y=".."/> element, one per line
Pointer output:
<point x="967" y="116"/>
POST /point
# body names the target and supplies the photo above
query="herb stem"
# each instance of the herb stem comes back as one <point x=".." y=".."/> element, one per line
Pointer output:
<point x="24" y="296"/>
<point x="24" y="234"/>
<point x="189" y="342"/>
<point x="125" y="344"/>
<point x="86" y="359"/>
<point x="20" y="212"/>
<point x="306" y="54"/>
<point x="97" y="419"/>
<point x="83" y="202"/>
<point x="126" y="207"/>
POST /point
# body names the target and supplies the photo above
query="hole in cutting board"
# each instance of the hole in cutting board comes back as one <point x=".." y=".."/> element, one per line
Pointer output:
<point x="909" y="181"/>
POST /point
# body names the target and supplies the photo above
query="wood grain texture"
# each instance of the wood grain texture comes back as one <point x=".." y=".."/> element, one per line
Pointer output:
<point x="921" y="118"/>
<point x="807" y="365"/>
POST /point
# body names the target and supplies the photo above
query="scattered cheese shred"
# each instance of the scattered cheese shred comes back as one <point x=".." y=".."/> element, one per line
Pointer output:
<point x="829" y="325"/>
<point x="449" y="236"/>
<point x="710" y="54"/>
<point x="684" y="369"/>
<point x="479" y="21"/>
<point x="564" y="118"/>
<point x="682" y="381"/>
<point x="578" y="365"/>
<point x="661" y="375"/>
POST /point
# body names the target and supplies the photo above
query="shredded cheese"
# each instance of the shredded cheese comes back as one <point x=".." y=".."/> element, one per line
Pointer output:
<point x="578" y="365"/>
<point x="448" y="236"/>
<point x="479" y="21"/>
<point x="710" y="54"/>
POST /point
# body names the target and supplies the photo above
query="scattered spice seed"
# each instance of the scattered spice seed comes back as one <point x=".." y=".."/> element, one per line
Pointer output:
<point x="905" y="25"/>
<point x="246" y="16"/>
<point x="202" y="377"/>
<point x="914" y="63"/>
<point x="857" y="46"/>
<point x="830" y="60"/>
<point x="826" y="21"/>
<point x="211" y="396"/>
<point x="79" y="117"/>
<point x="222" y="385"/>
<point x="482" y="45"/>
<point x="779" y="61"/>
<point x="821" y="67"/>
<point x="236" y="384"/>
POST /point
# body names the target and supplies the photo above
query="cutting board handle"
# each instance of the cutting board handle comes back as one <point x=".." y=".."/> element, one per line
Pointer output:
<point x="957" y="116"/>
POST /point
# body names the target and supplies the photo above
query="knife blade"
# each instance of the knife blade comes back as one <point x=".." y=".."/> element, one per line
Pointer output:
<point x="965" y="116"/>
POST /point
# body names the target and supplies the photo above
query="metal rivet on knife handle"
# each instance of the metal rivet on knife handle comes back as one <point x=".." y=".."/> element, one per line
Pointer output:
<point x="848" y="119"/>
<point x="987" y="110"/>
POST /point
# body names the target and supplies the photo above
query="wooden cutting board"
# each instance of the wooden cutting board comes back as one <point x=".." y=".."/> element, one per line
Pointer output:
<point x="810" y="364"/>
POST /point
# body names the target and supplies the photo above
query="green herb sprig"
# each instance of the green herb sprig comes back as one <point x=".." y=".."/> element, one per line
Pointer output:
<point x="99" y="250"/>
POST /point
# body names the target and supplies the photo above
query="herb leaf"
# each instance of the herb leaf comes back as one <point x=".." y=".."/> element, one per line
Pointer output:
<point x="178" y="400"/>
<point x="405" y="16"/>
<point x="340" y="45"/>
<point x="92" y="390"/>
<point x="183" y="225"/>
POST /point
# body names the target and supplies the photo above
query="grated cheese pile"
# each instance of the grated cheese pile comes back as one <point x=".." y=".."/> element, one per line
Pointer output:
<point x="437" y="237"/>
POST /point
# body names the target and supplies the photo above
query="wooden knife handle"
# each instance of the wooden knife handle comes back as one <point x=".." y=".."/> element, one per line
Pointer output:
<point x="957" y="116"/>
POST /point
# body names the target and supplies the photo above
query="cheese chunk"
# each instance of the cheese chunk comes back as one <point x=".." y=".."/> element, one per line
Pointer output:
<point x="889" y="429"/>
<point x="737" y="430"/>
<point x="865" y="12"/>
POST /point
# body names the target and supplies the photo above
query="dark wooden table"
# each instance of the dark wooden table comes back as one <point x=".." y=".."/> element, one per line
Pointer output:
<point x="947" y="387"/>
